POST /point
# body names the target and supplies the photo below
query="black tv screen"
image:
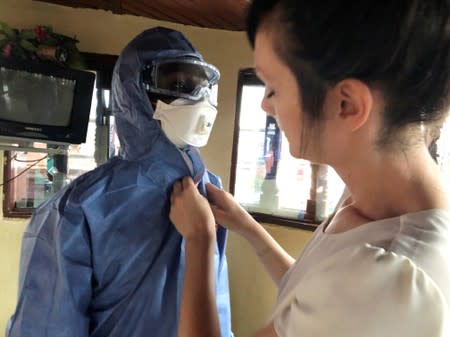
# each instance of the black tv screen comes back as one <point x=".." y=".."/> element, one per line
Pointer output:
<point x="44" y="101"/>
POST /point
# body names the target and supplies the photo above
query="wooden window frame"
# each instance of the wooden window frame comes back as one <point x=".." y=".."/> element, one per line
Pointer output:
<point x="247" y="76"/>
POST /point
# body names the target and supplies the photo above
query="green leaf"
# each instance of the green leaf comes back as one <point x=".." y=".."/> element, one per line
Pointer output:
<point x="20" y="53"/>
<point x="27" y="34"/>
<point x="27" y="45"/>
<point x="51" y="41"/>
<point x="9" y="32"/>
<point x="4" y="26"/>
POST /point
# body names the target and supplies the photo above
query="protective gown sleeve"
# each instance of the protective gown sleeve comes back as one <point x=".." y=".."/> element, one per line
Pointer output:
<point x="55" y="274"/>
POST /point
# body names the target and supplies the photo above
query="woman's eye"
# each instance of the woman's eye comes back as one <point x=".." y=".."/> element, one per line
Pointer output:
<point x="270" y="94"/>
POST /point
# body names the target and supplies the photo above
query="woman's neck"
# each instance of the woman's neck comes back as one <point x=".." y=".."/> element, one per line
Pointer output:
<point x="388" y="185"/>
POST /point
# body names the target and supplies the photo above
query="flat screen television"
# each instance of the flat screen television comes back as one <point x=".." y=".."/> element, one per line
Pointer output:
<point x="44" y="101"/>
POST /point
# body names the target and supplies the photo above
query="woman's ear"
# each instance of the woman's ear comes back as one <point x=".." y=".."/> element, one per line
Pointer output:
<point x="355" y="100"/>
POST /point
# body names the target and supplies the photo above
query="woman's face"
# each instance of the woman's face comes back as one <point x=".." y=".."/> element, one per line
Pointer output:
<point x="281" y="97"/>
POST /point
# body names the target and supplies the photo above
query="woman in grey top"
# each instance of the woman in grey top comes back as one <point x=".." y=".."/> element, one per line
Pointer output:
<point x="354" y="85"/>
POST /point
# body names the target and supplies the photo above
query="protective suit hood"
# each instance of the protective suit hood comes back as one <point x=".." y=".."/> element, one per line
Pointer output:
<point x="137" y="130"/>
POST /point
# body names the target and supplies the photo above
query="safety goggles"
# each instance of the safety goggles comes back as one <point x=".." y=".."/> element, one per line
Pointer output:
<point x="182" y="78"/>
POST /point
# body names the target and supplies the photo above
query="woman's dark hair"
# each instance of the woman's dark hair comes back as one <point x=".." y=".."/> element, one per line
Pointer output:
<point x="399" y="46"/>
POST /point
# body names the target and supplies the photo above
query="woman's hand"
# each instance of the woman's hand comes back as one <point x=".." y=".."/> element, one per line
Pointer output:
<point x="190" y="212"/>
<point x="227" y="211"/>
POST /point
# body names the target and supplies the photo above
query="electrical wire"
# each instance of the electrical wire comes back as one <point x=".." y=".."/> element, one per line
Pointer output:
<point x="37" y="161"/>
<point x="28" y="161"/>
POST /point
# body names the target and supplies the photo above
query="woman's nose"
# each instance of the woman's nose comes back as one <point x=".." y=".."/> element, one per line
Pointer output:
<point x="267" y="107"/>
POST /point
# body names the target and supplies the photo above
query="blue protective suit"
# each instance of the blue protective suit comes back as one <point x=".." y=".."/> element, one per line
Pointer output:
<point x="101" y="258"/>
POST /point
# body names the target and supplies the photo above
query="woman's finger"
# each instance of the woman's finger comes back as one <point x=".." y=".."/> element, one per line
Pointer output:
<point x="214" y="193"/>
<point x="177" y="188"/>
<point x="187" y="183"/>
<point x="218" y="213"/>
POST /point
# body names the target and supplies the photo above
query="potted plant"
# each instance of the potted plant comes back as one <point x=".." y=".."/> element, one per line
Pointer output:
<point x="39" y="43"/>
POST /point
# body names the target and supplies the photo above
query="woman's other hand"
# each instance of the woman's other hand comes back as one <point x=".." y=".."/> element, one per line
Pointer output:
<point x="227" y="211"/>
<point x="190" y="212"/>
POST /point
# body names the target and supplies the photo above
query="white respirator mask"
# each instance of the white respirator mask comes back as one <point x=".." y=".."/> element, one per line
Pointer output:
<point x="186" y="122"/>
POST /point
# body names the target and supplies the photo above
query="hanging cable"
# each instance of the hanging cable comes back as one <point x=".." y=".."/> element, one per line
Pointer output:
<point x="25" y="170"/>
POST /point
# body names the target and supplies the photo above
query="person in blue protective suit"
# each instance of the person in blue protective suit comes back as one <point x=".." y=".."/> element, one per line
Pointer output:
<point x="102" y="258"/>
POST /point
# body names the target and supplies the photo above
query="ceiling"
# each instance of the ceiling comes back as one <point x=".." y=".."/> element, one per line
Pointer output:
<point x="218" y="14"/>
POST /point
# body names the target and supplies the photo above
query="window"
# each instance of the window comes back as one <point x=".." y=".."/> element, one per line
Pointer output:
<point x="31" y="177"/>
<point x="272" y="185"/>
